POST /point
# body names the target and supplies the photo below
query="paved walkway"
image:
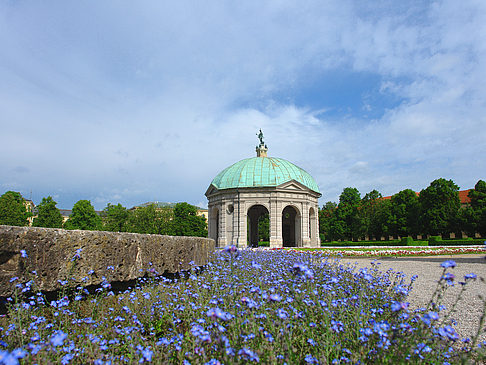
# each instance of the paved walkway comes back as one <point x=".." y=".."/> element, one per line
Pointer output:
<point x="429" y="271"/>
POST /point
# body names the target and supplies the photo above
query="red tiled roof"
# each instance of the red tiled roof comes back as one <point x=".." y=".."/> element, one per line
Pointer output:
<point x="463" y="196"/>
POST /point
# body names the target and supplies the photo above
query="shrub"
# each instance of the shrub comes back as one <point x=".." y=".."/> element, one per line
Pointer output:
<point x="435" y="240"/>
<point x="452" y="242"/>
<point x="406" y="241"/>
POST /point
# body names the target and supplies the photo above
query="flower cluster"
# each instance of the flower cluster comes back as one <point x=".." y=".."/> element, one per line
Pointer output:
<point x="258" y="306"/>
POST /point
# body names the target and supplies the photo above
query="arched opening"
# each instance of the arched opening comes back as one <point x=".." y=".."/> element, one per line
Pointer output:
<point x="312" y="225"/>
<point x="258" y="225"/>
<point x="290" y="227"/>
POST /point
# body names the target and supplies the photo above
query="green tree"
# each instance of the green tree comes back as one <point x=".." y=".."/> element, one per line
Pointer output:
<point x="347" y="214"/>
<point x="48" y="215"/>
<point x="326" y="215"/>
<point x="478" y="207"/>
<point x="84" y="217"/>
<point x="405" y="211"/>
<point x="368" y="210"/>
<point x="115" y="218"/>
<point x="13" y="210"/>
<point x="439" y="205"/>
<point x="187" y="222"/>
<point x="151" y="220"/>
<point x="379" y="224"/>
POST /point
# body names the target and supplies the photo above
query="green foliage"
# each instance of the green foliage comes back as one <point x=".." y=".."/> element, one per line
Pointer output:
<point x="477" y="213"/>
<point x="187" y="222"/>
<point x="379" y="225"/>
<point x="435" y="239"/>
<point x="404" y="213"/>
<point x="264" y="227"/>
<point x="115" y="218"/>
<point x="348" y="220"/>
<point x="151" y="220"/>
<point x="374" y="212"/>
<point x="440" y="207"/>
<point x="48" y="215"/>
<point x="407" y="241"/>
<point x="83" y="217"/>
<point x="325" y="216"/>
<point x="13" y="210"/>
<point x="452" y="242"/>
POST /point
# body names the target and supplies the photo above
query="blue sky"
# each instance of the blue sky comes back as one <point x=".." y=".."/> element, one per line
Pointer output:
<point x="129" y="102"/>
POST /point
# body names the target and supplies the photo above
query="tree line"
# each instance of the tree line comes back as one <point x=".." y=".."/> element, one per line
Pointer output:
<point x="180" y="220"/>
<point x="436" y="210"/>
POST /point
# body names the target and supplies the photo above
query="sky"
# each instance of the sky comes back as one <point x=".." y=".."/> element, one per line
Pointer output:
<point x="129" y="102"/>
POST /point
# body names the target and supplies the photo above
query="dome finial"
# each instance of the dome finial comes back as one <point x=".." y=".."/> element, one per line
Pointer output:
<point x="262" y="148"/>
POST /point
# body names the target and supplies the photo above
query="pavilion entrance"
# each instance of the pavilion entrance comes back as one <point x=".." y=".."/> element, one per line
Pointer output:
<point x="290" y="227"/>
<point x="258" y="226"/>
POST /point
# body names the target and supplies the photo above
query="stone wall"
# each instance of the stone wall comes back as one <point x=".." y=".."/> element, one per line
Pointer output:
<point x="115" y="256"/>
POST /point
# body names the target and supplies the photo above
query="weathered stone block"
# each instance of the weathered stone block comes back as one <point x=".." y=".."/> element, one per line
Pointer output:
<point x="50" y="253"/>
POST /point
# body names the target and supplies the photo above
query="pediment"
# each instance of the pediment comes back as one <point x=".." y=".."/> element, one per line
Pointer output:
<point x="211" y="190"/>
<point x="293" y="185"/>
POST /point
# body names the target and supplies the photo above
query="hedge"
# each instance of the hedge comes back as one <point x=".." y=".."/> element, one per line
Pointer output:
<point x="438" y="241"/>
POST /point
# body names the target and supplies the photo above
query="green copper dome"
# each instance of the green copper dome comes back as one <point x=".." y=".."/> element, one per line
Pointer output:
<point x="261" y="172"/>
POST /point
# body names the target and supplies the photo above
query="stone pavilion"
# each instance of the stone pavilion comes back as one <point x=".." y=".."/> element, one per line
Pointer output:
<point x="241" y="193"/>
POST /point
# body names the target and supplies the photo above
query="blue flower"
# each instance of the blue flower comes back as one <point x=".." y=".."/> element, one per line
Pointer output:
<point x="77" y="254"/>
<point x="213" y="362"/>
<point x="337" y="326"/>
<point x="23" y="253"/>
<point x="309" y="359"/>
<point x="146" y="354"/>
<point x="470" y="276"/>
<point x="58" y="338"/>
<point x="218" y="313"/>
<point x="67" y="358"/>
<point x="282" y="314"/>
<point x="12" y="358"/>
<point x="247" y="354"/>
<point x="397" y="306"/>
<point x="449" y="277"/>
<point x="199" y="332"/>
<point x="448" y="332"/>
<point x="230" y="249"/>
<point x="447" y="264"/>
<point x="275" y="298"/>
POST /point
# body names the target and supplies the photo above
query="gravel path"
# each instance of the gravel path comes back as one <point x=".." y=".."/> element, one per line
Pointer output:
<point x="429" y="271"/>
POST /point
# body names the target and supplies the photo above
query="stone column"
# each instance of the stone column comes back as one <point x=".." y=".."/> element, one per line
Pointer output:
<point x="222" y="225"/>
<point x="316" y="240"/>
<point x="275" y="240"/>
<point x="306" y="239"/>
<point x="276" y="224"/>
<point x="240" y="213"/>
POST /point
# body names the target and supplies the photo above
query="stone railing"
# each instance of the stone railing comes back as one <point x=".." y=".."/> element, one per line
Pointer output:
<point x="89" y="257"/>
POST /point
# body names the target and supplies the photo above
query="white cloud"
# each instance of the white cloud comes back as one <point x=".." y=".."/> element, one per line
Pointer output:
<point x="150" y="101"/>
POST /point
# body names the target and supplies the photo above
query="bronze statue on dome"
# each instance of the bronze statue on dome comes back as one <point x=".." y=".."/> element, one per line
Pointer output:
<point x="260" y="137"/>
